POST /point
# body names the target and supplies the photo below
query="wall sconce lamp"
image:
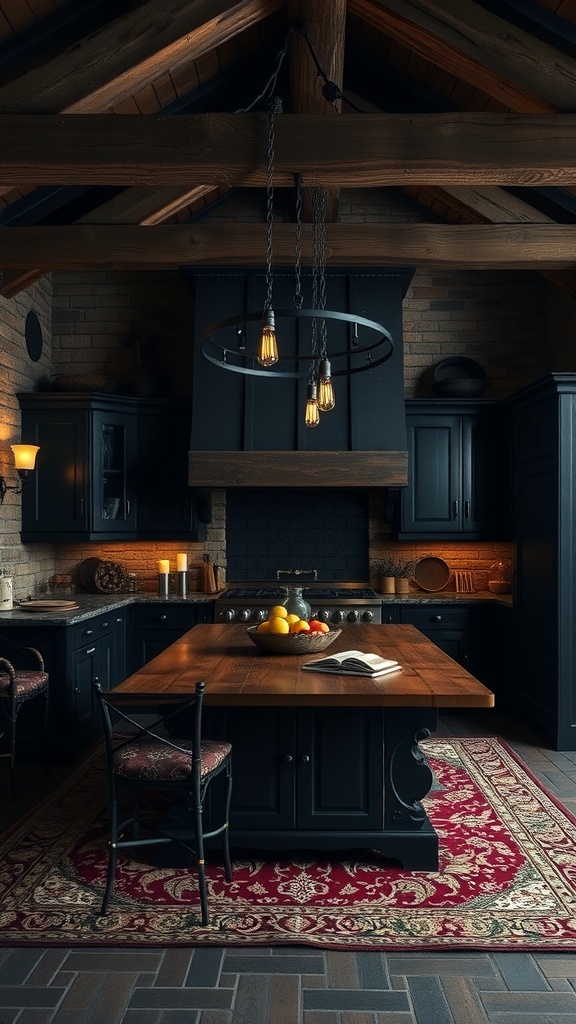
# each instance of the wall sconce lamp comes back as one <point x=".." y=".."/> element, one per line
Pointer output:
<point x="24" y="460"/>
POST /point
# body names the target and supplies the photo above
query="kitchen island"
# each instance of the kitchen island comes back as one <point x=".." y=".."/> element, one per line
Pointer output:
<point x="320" y="761"/>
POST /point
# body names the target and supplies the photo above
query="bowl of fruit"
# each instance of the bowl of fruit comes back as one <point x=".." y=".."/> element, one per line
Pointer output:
<point x="282" y="633"/>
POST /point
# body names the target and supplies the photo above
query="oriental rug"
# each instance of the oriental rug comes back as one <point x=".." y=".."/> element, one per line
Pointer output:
<point x="506" y="880"/>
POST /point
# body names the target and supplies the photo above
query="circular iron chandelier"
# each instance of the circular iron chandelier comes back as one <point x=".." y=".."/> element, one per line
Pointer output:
<point x="362" y="353"/>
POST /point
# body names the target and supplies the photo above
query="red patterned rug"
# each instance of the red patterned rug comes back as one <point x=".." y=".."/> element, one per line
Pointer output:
<point x="507" y="878"/>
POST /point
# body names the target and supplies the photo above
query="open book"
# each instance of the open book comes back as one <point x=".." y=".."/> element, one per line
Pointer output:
<point x="353" y="663"/>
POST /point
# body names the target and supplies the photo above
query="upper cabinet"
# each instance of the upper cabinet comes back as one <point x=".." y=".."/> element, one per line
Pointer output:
<point x="104" y="464"/>
<point x="457" y="471"/>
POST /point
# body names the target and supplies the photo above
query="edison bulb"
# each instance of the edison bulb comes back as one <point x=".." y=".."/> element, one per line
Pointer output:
<point x="267" y="353"/>
<point x="326" y="397"/>
<point x="312" y="414"/>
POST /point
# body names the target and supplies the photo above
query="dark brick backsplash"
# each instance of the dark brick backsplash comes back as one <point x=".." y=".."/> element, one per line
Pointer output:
<point x="325" y="529"/>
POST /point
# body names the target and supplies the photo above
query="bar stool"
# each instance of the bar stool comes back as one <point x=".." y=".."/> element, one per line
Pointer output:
<point x="17" y="687"/>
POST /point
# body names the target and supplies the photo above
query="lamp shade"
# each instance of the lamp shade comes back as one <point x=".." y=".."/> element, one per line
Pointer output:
<point x="25" y="455"/>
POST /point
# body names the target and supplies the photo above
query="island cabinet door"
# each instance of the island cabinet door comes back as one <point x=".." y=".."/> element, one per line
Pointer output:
<point x="263" y="759"/>
<point x="339" y="773"/>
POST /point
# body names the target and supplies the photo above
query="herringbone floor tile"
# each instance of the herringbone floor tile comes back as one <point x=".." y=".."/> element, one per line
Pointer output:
<point x="302" y="986"/>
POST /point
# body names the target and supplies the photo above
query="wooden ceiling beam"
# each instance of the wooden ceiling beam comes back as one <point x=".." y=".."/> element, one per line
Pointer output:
<point x="448" y="246"/>
<point x="357" y="151"/>
<point x="130" y="53"/>
<point x="470" y="42"/>
<point x="325" y="27"/>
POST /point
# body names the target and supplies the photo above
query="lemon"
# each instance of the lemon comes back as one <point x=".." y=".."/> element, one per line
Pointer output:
<point x="278" y="612"/>
<point x="278" y="625"/>
<point x="292" y="618"/>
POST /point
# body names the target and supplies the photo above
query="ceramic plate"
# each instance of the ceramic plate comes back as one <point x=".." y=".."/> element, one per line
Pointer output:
<point x="47" y="606"/>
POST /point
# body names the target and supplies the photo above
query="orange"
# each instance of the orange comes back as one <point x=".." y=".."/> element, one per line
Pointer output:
<point x="278" y="625"/>
<point x="292" y="618"/>
<point x="264" y="627"/>
<point x="278" y="612"/>
<point x="301" y="626"/>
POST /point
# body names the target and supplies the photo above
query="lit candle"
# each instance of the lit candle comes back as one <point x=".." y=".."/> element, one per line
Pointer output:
<point x="164" y="565"/>
<point x="182" y="562"/>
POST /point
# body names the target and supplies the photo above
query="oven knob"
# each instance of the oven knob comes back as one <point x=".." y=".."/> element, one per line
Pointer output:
<point x="367" y="616"/>
<point x="244" y="614"/>
<point x="323" y="615"/>
<point x="337" y="616"/>
<point x="353" y="616"/>
<point x="229" y="615"/>
<point x="260" y="615"/>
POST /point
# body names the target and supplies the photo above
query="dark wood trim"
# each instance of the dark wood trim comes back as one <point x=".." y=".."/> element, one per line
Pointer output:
<point x="297" y="469"/>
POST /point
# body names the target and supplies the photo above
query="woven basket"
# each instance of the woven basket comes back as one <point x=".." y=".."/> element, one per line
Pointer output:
<point x="292" y="643"/>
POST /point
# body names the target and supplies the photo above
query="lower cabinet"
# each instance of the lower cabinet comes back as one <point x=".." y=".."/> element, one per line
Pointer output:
<point x="447" y="625"/>
<point x="303" y="768"/>
<point x="156" y="626"/>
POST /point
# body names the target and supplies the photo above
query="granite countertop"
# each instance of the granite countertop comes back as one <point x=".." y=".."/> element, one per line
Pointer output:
<point x="445" y="596"/>
<point x="90" y="605"/>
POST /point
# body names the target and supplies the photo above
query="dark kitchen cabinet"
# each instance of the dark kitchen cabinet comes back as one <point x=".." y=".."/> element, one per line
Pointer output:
<point x="84" y="486"/>
<point x="458" y="479"/>
<point x="157" y="625"/>
<point x="74" y="656"/>
<point x="447" y="625"/>
<point x="109" y="468"/>
<point x="303" y="769"/>
<point x="544" y="442"/>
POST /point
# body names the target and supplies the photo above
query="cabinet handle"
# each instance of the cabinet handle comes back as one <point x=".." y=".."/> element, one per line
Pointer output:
<point x="467" y="509"/>
<point x="163" y="618"/>
<point x="120" y="620"/>
<point x="305" y="758"/>
<point x="89" y="632"/>
<point x="288" y="758"/>
<point x="127" y="507"/>
<point x="390" y="618"/>
<point x="104" y="625"/>
<point x="437" y="618"/>
<point x="81" y="506"/>
<point x="90" y="650"/>
<point x="455" y="509"/>
<point x="76" y="689"/>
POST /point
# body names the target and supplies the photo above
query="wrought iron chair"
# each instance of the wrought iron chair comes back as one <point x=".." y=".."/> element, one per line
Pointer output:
<point x="17" y="687"/>
<point x="146" y="757"/>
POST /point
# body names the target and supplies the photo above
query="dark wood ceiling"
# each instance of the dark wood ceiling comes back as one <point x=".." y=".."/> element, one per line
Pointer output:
<point x="465" y="109"/>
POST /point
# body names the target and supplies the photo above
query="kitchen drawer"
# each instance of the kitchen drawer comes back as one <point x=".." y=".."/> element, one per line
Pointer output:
<point x="436" y="616"/>
<point x="97" y="626"/>
<point x="165" y="616"/>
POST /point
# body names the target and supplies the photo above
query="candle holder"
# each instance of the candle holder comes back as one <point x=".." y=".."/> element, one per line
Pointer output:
<point x="182" y="578"/>
<point x="163" y="584"/>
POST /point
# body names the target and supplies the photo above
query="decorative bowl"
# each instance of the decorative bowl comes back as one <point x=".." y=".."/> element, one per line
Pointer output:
<point x="498" y="587"/>
<point x="292" y="643"/>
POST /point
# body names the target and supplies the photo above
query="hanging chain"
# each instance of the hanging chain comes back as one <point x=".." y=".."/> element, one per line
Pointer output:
<point x="298" y="244"/>
<point x="274" y="107"/>
<point x="319" y="236"/>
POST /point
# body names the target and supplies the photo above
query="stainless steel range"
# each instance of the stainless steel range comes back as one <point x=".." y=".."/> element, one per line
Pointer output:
<point x="329" y="602"/>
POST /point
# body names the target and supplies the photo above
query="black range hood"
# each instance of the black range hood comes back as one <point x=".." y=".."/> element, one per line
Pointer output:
<point x="250" y="432"/>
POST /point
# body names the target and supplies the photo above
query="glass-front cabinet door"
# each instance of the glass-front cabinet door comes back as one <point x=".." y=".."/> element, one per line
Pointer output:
<point x="114" y="507"/>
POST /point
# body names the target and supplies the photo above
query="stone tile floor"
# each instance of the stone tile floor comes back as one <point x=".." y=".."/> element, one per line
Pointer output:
<point x="298" y="985"/>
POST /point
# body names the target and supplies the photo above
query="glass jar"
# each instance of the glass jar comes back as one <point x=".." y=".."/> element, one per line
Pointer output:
<point x="295" y="604"/>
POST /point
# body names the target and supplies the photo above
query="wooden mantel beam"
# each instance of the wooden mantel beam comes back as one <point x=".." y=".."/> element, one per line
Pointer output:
<point x="448" y="246"/>
<point x="356" y="151"/>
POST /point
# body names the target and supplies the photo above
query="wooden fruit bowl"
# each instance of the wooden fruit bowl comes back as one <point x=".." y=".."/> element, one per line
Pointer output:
<point x="292" y="643"/>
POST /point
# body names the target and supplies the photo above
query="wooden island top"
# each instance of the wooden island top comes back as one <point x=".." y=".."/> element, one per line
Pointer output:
<point x="236" y="672"/>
